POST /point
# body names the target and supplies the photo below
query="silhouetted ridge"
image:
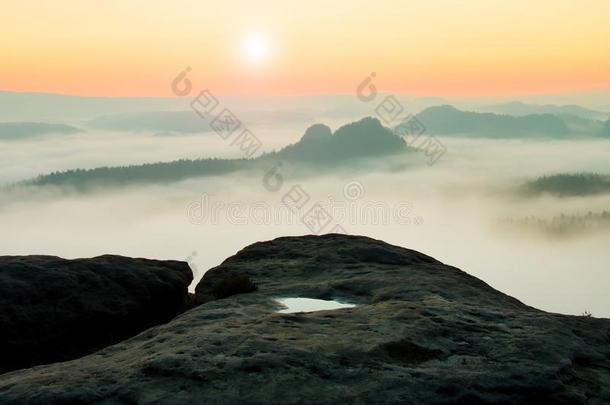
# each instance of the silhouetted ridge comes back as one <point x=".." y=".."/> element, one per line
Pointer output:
<point x="163" y="172"/>
<point x="446" y="120"/>
<point x="18" y="130"/>
<point x="518" y="108"/>
<point x="361" y="139"/>
<point x="317" y="133"/>
<point x="569" y="185"/>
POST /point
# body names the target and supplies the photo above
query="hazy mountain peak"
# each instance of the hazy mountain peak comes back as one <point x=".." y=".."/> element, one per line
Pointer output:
<point x="441" y="108"/>
<point x="317" y="132"/>
<point x="366" y="137"/>
<point x="372" y="126"/>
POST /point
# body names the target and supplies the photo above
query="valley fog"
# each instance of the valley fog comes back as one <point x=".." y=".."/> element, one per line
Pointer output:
<point x="453" y="210"/>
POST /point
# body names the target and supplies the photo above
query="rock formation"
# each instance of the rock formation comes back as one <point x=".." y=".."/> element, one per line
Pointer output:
<point x="53" y="309"/>
<point x="422" y="333"/>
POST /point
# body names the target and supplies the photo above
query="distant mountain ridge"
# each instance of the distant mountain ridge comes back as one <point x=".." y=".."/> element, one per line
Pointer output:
<point x="62" y="107"/>
<point x="366" y="138"/>
<point x="165" y="121"/>
<point x="448" y="120"/>
<point x="518" y="108"/>
<point x="361" y="139"/>
<point x="568" y="185"/>
<point x="21" y="130"/>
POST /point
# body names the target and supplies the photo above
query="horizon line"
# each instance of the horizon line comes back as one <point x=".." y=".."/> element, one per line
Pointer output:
<point x="330" y="94"/>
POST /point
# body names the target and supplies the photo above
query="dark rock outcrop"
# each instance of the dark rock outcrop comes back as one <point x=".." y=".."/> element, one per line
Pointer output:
<point x="422" y="333"/>
<point x="366" y="138"/>
<point x="52" y="309"/>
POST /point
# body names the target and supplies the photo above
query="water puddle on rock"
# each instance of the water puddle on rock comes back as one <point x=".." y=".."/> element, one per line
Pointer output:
<point x="293" y="305"/>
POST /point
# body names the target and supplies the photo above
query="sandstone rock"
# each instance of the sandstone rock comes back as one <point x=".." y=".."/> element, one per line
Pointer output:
<point x="52" y="309"/>
<point x="422" y="333"/>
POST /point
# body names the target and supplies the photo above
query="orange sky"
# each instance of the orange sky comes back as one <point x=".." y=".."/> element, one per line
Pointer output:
<point x="436" y="47"/>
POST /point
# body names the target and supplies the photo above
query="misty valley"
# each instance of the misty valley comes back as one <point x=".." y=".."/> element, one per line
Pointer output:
<point x="516" y="185"/>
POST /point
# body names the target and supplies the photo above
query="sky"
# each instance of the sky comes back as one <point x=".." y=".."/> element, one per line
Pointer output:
<point x="242" y="47"/>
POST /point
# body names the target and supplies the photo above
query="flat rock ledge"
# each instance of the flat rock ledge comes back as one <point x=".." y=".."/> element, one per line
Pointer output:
<point x="422" y="333"/>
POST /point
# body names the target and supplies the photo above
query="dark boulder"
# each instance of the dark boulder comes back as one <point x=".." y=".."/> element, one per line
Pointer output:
<point x="52" y="309"/>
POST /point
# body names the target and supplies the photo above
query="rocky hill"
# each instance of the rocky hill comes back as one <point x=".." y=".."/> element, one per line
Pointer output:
<point x="421" y="332"/>
<point x="366" y="138"/>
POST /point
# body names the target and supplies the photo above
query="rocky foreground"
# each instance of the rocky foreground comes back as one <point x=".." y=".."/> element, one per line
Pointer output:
<point x="422" y="333"/>
<point x="52" y="309"/>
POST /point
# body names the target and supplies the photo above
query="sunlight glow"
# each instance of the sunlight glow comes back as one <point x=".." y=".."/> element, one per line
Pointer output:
<point x="256" y="49"/>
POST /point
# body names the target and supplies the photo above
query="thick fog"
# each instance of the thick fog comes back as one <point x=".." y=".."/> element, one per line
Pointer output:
<point x="457" y="210"/>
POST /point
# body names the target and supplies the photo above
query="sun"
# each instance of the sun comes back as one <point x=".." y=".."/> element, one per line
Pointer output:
<point x="256" y="49"/>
